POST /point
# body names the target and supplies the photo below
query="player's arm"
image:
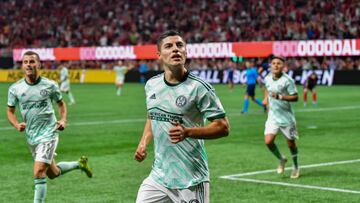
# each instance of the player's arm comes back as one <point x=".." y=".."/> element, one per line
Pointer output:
<point x="61" y="124"/>
<point x="216" y="129"/>
<point x="140" y="153"/>
<point x="266" y="98"/>
<point x="289" y="98"/>
<point x="13" y="120"/>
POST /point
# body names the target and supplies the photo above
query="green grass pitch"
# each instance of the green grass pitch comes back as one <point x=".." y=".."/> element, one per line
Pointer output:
<point x="107" y="128"/>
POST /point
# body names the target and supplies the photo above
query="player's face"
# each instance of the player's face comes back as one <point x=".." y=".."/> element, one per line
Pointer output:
<point x="277" y="66"/>
<point x="30" y="65"/>
<point x="172" y="51"/>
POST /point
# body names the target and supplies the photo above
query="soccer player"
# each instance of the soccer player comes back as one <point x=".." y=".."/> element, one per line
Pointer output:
<point x="252" y="78"/>
<point x="65" y="83"/>
<point x="280" y="91"/>
<point x="177" y="104"/>
<point x="34" y="95"/>
<point x="120" y="70"/>
<point x="310" y="84"/>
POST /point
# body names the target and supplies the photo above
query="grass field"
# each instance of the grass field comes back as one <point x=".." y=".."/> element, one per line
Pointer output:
<point x="107" y="128"/>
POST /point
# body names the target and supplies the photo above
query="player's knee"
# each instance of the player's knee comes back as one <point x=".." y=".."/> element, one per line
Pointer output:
<point x="40" y="173"/>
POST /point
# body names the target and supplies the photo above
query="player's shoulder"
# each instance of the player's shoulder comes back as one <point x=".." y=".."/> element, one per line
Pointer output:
<point x="287" y="77"/>
<point x="155" y="79"/>
<point x="45" y="80"/>
<point x="17" y="84"/>
<point x="199" y="82"/>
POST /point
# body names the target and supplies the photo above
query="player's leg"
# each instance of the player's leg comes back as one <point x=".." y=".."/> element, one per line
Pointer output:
<point x="40" y="169"/>
<point x="314" y="95"/>
<point x="152" y="192"/>
<point x="271" y="131"/>
<point x="291" y="135"/>
<point x="246" y="103"/>
<point x="305" y="95"/>
<point x="71" y="97"/>
<point x="119" y="88"/>
<point x="258" y="102"/>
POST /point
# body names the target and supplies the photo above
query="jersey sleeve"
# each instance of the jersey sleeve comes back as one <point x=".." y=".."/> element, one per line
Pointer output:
<point x="291" y="88"/>
<point x="56" y="94"/>
<point x="209" y="104"/>
<point x="12" y="99"/>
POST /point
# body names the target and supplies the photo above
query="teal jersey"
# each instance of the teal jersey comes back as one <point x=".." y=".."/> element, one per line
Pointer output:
<point x="190" y="103"/>
<point x="35" y="104"/>
<point x="120" y="71"/>
<point x="280" y="111"/>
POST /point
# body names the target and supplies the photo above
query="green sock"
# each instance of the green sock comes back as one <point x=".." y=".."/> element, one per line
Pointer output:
<point x="274" y="149"/>
<point x="67" y="166"/>
<point x="294" y="155"/>
<point x="40" y="190"/>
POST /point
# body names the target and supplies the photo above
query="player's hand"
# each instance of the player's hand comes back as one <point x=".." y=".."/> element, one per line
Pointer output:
<point x="140" y="153"/>
<point x="274" y="95"/>
<point x="20" y="126"/>
<point x="177" y="133"/>
<point x="61" y="125"/>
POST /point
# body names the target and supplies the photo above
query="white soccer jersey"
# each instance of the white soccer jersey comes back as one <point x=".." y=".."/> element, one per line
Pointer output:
<point x="280" y="112"/>
<point x="120" y="71"/>
<point x="35" y="104"/>
<point x="190" y="102"/>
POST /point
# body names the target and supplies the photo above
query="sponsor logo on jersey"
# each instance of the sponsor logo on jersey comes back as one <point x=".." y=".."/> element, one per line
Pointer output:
<point x="153" y="96"/>
<point x="181" y="101"/>
<point x="44" y="92"/>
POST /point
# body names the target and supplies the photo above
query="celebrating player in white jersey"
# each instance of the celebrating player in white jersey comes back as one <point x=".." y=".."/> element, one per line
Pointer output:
<point x="177" y="104"/>
<point x="280" y="91"/>
<point x="120" y="70"/>
<point x="65" y="83"/>
<point x="34" y="95"/>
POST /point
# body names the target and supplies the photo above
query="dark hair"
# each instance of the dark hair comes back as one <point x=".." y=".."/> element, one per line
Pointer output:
<point x="166" y="34"/>
<point x="27" y="53"/>
<point x="278" y="57"/>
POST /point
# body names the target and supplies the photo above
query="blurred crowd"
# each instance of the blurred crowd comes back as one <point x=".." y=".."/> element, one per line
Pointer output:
<point x="311" y="63"/>
<point x="47" y="23"/>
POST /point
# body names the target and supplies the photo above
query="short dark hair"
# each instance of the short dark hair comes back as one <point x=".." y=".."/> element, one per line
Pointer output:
<point x="166" y="34"/>
<point x="278" y="57"/>
<point x="27" y="53"/>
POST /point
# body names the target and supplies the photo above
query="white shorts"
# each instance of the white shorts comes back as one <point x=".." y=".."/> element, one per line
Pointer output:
<point x="153" y="192"/>
<point x="44" y="151"/>
<point x="290" y="132"/>
<point x="119" y="80"/>
<point x="65" y="86"/>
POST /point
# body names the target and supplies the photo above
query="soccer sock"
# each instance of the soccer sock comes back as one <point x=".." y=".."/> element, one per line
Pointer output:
<point x="40" y="190"/>
<point x="305" y="97"/>
<point x="314" y="97"/>
<point x="71" y="97"/>
<point x="259" y="102"/>
<point x="118" y="92"/>
<point x="294" y="155"/>
<point x="246" y="105"/>
<point x="67" y="166"/>
<point x="275" y="150"/>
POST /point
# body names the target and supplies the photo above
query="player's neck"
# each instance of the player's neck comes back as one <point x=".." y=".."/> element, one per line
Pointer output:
<point x="175" y="75"/>
<point x="32" y="79"/>
<point x="277" y="76"/>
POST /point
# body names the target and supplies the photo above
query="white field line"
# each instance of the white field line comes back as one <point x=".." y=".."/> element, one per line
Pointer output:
<point x="86" y="123"/>
<point x="237" y="177"/>
<point x="296" y="185"/>
<point x="236" y="112"/>
<point x="288" y="168"/>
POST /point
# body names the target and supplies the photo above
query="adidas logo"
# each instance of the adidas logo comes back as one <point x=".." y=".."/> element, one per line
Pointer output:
<point x="153" y="96"/>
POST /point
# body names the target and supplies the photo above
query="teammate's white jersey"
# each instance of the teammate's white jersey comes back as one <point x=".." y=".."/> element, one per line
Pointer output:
<point x="120" y="74"/>
<point x="280" y="112"/>
<point x="35" y="104"/>
<point x="190" y="102"/>
<point x="64" y="80"/>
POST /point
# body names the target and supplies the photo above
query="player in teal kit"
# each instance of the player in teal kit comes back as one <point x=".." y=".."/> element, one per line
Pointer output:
<point x="34" y="96"/>
<point x="177" y="104"/>
<point x="280" y="91"/>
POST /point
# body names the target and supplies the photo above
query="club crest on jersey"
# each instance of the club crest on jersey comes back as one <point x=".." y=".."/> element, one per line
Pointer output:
<point x="44" y="92"/>
<point x="181" y="101"/>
